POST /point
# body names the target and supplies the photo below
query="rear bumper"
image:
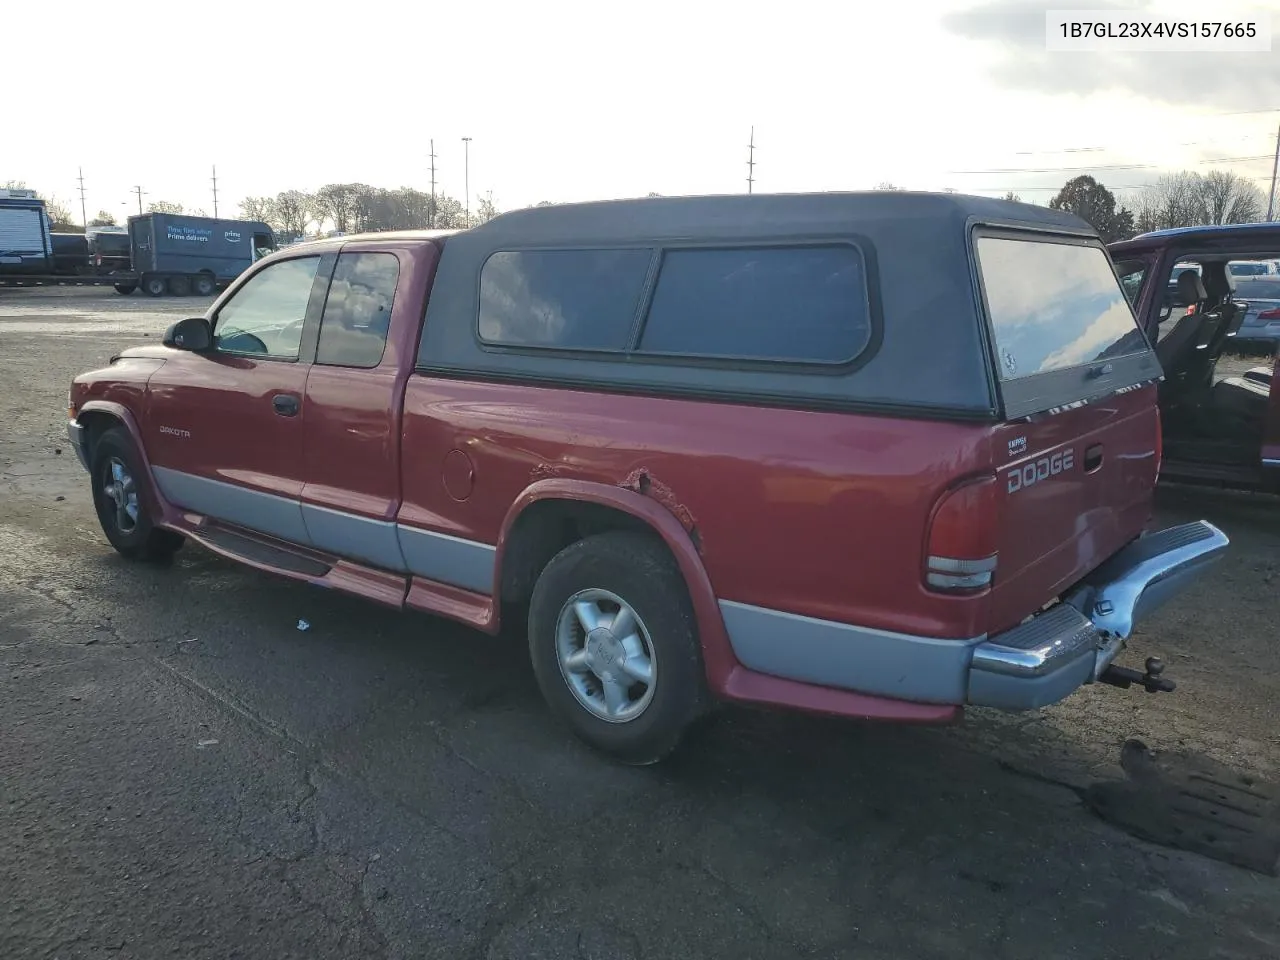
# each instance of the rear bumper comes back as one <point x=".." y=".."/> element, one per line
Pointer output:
<point x="1041" y="661"/>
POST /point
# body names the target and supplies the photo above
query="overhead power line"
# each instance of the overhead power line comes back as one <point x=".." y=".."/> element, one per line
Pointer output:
<point x="1187" y="143"/>
<point x="1104" y="166"/>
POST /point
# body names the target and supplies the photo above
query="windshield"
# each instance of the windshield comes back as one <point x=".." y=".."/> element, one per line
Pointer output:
<point x="1054" y="306"/>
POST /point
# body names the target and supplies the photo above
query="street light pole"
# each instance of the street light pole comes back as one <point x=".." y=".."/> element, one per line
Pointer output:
<point x="466" y="175"/>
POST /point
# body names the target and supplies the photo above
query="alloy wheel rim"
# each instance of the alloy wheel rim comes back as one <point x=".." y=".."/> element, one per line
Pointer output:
<point x="606" y="655"/>
<point x="122" y="492"/>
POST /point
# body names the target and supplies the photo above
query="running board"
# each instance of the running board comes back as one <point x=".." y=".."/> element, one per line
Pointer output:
<point x="257" y="552"/>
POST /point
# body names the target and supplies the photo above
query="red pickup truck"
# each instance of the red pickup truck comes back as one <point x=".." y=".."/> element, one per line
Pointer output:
<point x="723" y="448"/>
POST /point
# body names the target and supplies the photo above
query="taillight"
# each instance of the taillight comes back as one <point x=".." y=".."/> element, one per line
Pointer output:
<point x="961" y="553"/>
<point x="1270" y="314"/>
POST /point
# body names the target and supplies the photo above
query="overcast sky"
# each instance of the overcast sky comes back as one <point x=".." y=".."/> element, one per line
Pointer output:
<point x="570" y="101"/>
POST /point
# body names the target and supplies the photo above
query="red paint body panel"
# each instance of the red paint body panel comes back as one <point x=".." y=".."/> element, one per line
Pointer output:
<point x="850" y="493"/>
<point x="224" y="402"/>
<point x="747" y="686"/>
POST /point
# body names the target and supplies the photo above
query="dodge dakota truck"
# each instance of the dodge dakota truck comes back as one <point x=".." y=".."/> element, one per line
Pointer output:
<point x="705" y="449"/>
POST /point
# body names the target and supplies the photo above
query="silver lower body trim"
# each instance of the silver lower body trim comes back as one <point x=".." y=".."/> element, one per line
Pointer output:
<point x="383" y="543"/>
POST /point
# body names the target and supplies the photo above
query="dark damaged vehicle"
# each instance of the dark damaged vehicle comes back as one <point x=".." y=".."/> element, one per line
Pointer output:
<point x="1204" y="294"/>
<point x="698" y="449"/>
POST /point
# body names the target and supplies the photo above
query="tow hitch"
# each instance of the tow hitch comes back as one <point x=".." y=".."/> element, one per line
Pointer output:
<point x="1151" y="681"/>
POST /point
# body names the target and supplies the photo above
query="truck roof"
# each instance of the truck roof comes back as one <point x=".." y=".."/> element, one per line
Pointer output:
<point x="1227" y="234"/>
<point x="727" y="216"/>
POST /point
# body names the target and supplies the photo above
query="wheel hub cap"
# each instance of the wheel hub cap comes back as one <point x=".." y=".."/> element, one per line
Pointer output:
<point x="604" y="653"/>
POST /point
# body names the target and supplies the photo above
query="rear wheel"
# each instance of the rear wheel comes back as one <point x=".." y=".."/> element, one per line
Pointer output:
<point x="180" y="286"/>
<point x="126" y="288"/>
<point x="119" y="498"/>
<point x="155" y="286"/>
<point x="202" y="284"/>
<point x="614" y="645"/>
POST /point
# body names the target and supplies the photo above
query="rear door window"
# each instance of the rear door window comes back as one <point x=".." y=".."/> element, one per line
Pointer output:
<point x="357" y="312"/>
<point x="792" y="304"/>
<point x="1054" y="306"/>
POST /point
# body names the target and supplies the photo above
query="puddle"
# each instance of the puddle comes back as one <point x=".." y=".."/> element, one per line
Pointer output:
<point x="1190" y="802"/>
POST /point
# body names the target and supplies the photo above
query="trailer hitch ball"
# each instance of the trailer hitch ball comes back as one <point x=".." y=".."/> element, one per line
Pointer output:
<point x="1152" y="680"/>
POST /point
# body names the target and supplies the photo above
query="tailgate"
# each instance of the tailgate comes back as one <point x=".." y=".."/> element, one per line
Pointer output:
<point x="1076" y="454"/>
<point x="1073" y="487"/>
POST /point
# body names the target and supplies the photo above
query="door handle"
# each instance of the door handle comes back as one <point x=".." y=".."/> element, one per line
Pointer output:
<point x="285" y="404"/>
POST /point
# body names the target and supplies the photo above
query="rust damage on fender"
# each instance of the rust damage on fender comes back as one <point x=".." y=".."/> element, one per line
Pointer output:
<point x="641" y="481"/>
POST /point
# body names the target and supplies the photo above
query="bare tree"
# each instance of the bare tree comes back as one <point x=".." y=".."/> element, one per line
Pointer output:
<point x="103" y="219"/>
<point x="338" y="202"/>
<point x="258" y="208"/>
<point x="1175" y="200"/>
<point x="886" y="185"/>
<point x="164" y="206"/>
<point x="1013" y="196"/>
<point x="486" y="210"/>
<point x="59" y="214"/>
<point x="293" y="211"/>
<point x="1229" y="198"/>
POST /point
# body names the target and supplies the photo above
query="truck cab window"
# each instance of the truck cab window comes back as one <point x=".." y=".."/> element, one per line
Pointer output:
<point x="266" y="315"/>
<point x="357" y="312"/>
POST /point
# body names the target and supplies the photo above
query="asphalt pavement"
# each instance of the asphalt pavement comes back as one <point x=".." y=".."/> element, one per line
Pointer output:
<point x="185" y="773"/>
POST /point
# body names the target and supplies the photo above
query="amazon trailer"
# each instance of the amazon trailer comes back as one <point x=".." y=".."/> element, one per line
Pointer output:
<point x="26" y="246"/>
<point x="178" y="254"/>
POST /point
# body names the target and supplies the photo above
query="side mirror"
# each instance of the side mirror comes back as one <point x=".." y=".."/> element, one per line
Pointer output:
<point x="194" y="334"/>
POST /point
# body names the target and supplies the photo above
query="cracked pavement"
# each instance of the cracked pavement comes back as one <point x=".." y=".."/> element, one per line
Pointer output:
<point x="184" y="773"/>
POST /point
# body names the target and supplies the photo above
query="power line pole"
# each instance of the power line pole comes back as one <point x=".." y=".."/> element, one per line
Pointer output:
<point x="751" y="161"/>
<point x="215" y="191"/>
<point x="83" y="214"/>
<point x="1274" y="167"/>
<point x="466" y="175"/>
<point x="431" y="211"/>
<point x="139" y="191"/>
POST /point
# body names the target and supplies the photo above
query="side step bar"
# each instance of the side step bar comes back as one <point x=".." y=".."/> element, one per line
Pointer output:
<point x="258" y="552"/>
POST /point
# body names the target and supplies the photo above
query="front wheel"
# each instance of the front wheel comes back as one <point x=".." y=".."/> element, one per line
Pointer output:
<point x="120" y="501"/>
<point x="155" y="286"/>
<point x="614" y="645"/>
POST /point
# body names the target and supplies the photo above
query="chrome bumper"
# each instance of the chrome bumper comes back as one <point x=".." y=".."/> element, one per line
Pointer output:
<point x="1043" y="660"/>
<point x="79" y="438"/>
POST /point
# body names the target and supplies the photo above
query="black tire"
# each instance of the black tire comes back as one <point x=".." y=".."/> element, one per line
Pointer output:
<point x="154" y="285"/>
<point x="637" y="569"/>
<point x="126" y="288"/>
<point x="202" y="285"/>
<point x="180" y="286"/>
<point x="133" y="536"/>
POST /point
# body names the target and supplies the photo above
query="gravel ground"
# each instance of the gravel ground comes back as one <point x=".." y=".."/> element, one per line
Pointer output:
<point x="184" y="773"/>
